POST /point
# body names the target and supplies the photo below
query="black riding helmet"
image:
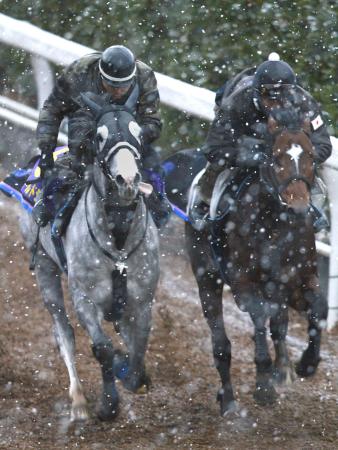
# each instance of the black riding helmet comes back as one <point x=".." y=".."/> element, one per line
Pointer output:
<point x="117" y="66"/>
<point x="273" y="80"/>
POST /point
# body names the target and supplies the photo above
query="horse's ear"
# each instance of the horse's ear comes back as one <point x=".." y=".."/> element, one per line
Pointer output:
<point x="272" y="125"/>
<point x="94" y="107"/>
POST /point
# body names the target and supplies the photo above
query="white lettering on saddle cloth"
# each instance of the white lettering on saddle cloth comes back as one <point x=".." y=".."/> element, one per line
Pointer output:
<point x="295" y="151"/>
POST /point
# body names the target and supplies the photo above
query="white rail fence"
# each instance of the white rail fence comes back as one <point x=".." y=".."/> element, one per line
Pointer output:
<point x="45" y="47"/>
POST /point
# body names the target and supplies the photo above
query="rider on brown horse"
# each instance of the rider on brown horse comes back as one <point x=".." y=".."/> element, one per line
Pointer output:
<point x="242" y="109"/>
<point x="130" y="83"/>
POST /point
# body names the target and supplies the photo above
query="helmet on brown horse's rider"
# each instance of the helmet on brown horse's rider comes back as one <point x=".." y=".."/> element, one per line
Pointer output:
<point x="117" y="66"/>
<point x="273" y="84"/>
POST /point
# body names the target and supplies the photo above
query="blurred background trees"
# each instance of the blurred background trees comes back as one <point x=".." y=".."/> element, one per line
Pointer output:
<point x="200" y="42"/>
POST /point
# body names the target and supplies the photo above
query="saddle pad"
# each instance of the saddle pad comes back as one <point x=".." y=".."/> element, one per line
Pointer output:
<point x="24" y="184"/>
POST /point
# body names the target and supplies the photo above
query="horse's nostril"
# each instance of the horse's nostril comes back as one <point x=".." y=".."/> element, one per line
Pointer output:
<point x="119" y="180"/>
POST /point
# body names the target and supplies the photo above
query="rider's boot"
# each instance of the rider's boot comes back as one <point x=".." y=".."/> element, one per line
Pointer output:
<point x="41" y="212"/>
<point x="320" y="221"/>
<point x="200" y="197"/>
<point x="160" y="208"/>
<point x="318" y="197"/>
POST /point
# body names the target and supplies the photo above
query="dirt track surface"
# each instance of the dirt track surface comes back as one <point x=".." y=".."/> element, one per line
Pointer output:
<point x="180" y="410"/>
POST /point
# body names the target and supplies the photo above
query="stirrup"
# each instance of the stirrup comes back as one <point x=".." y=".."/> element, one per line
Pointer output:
<point x="197" y="208"/>
<point x="199" y="215"/>
<point x="320" y="221"/>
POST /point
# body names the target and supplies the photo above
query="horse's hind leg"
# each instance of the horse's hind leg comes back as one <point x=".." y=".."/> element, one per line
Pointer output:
<point x="283" y="368"/>
<point x="49" y="279"/>
<point x="103" y="351"/>
<point x="317" y="315"/>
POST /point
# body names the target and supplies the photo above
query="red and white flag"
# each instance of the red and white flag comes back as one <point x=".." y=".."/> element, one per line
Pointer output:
<point x="317" y="122"/>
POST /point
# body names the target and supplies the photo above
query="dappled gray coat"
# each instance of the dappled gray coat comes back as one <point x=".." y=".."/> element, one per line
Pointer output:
<point x="83" y="76"/>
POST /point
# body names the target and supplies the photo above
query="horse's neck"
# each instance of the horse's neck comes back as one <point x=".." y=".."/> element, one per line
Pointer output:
<point x="114" y="222"/>
<point x="119" y="221"/>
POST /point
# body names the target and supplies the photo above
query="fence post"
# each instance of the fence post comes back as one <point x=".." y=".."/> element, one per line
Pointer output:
<point x="44" y="78"/>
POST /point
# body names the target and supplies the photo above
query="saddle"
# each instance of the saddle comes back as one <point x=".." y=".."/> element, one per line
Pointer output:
<point x="25" y="185"/>
<point x="229" y="187"/>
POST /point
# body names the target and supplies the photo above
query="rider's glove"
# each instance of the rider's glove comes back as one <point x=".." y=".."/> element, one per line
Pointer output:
<point x="46" y="160"/>
<point x="252" y="153"/>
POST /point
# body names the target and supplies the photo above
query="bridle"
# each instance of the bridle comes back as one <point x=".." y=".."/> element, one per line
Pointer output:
<point x="103" y="159"/>
<point x="103" y="162"/>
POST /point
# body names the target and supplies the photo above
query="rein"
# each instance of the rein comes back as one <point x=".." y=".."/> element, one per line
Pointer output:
<point x="118" y="260"/>
<point x="268" y="177"/>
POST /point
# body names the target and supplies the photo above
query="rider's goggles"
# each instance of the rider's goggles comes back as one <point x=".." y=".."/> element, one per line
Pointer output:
<point x="276" y="91"/>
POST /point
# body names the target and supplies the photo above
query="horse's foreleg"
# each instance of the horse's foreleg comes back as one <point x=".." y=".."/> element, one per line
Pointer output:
<point x="265" y="392"/>
<point x="135" y="329"/>
<point x="103" y="351"/>
<point x="210" y="291"/>
<point x="49" y="280"/>
<point x="317" y="315"/>
<point x="283" y="369"/>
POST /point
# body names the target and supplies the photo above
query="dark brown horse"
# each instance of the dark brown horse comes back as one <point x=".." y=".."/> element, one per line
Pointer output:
<point x="265" y="250"/>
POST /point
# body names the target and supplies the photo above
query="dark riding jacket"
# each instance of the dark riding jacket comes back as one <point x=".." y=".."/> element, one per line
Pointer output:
<point x="83" y="76"/>
<point x="237" y="115"/>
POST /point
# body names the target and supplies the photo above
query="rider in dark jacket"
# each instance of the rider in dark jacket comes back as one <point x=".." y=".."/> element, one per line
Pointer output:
<point x="129" y="82"/>
<point x="242" y="107"/>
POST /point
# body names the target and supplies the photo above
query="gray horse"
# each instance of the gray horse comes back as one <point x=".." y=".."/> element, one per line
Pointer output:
<point x="111" y="246"/>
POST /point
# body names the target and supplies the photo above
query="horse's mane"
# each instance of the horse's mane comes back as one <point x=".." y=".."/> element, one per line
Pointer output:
<point x="290" y="118"/>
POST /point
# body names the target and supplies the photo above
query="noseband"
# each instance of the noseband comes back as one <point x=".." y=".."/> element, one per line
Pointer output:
<point x="104" y="162"/>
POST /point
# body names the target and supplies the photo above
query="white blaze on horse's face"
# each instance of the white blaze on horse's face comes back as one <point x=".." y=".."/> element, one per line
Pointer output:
<point x="295" y="151"/>
<point x="103" y="133"/>
<point x="124" y="165"/>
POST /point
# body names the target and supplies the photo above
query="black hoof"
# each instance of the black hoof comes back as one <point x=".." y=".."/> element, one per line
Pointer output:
<point x="137" y="384"/>
<point x="265" y="395"/>
<point x="108" y="409"/>
<point x="305" y="370"/>
<point x="227" y="402"/>
<point x="307" y="365"/>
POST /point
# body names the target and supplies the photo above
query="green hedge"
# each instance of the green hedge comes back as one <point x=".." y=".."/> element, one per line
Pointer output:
<point x="201" y="42"/>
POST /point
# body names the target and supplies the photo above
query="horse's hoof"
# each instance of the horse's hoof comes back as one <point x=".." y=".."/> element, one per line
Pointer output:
<point x="229" y="409"/>
<point x="142" y="390"/>
<point x="305" y="370"/>
<point x="108" y="408"/>
<point x="79" y="413"/>
<point x="307" y="367"/>
<point x="107" y="414"/>
<point x="284" y="375"/>
<point x="137" y="385"/>
<point x="227" y="402"/>
<point x="265" y="395"/>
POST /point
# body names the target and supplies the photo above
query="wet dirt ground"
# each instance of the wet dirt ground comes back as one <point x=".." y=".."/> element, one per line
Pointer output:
<point x="180" y="410"/>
